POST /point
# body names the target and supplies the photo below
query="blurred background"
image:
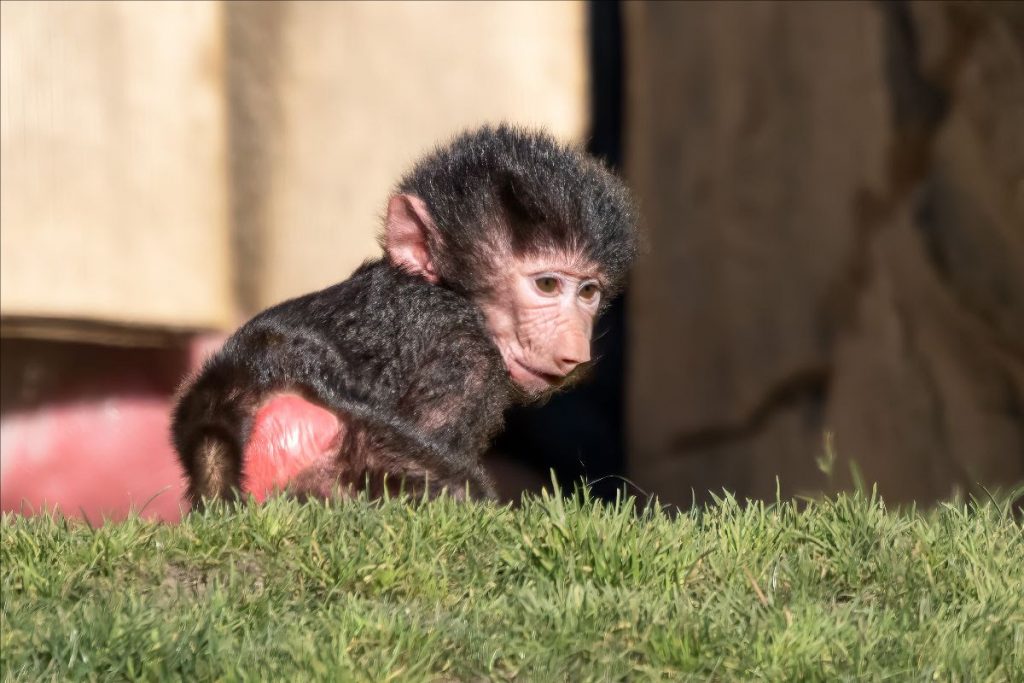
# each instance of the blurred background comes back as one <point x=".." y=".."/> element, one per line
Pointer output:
<point x="832" y="196"/>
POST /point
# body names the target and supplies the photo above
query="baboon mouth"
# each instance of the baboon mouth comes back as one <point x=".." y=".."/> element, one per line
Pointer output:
<point x="549" y="378"/>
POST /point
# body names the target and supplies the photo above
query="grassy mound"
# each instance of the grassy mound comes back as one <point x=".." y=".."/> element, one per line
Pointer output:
<point x="557" y="589"/>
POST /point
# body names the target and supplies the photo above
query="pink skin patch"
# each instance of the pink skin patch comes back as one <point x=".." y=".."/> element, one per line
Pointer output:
<point x="288" y="435"/>
<point x="544" y="333"/>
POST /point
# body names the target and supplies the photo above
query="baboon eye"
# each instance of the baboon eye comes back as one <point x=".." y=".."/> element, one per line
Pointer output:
<point x="589" y="291"/>
<point x="548" y="285"/>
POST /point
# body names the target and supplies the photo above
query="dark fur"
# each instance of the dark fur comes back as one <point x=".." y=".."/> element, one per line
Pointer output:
<point x="507" y="184"/>
<point x="410" y="366"/>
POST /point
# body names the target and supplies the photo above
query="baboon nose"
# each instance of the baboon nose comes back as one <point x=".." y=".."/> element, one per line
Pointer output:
<point x="573" y="355"/>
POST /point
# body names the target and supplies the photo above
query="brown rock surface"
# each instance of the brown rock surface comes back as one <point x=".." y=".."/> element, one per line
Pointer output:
<point x="834" y="198"/>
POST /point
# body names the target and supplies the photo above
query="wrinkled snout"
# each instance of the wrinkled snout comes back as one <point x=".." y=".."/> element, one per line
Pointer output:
<point x="572" y="349"/>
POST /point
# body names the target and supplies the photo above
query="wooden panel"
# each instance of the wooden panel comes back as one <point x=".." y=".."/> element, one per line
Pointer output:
<point x="112" y="131"/>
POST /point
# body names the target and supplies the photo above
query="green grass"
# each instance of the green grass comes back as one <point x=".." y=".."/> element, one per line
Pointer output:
<point x="555" y="590"/>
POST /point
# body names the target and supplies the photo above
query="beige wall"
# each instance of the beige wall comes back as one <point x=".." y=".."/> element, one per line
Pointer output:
<point x="352" y="93"/>
<point x="182" y="165"/>
<point x="112" y="179"/>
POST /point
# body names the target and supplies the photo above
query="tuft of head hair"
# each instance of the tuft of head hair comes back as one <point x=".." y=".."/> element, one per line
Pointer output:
<point x="499" y="192"/>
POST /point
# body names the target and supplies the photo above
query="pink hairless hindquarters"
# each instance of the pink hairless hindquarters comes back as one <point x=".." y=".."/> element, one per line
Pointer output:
<point x="289" y="435"/>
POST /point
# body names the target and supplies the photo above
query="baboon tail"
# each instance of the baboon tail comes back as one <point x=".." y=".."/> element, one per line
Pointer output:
<point x="215" y="468"/>
<point x="207" y="430"/>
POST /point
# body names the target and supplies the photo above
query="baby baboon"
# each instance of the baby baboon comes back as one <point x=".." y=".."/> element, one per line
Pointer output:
<point x="501" y="248"/>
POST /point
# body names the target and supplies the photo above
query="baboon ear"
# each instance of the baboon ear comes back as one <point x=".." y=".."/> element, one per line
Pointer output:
<point x="406" y="236"/>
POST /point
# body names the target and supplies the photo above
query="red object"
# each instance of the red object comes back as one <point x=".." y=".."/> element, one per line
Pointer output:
<point x="96" y="459"/>
<point x="85" y="429"/>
